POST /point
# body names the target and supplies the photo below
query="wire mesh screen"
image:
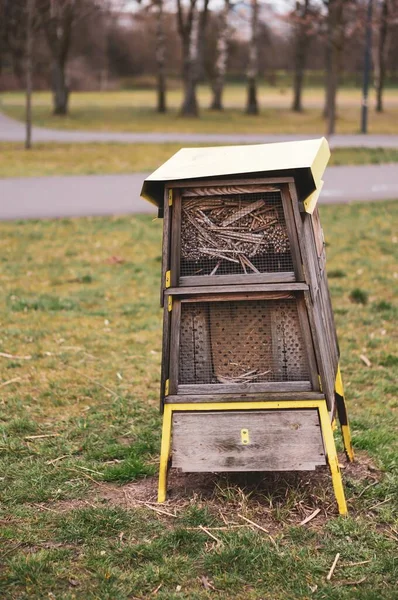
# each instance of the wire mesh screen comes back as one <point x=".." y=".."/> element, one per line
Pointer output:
<point x="241" y="342"/>
<point x="234" y="234"/>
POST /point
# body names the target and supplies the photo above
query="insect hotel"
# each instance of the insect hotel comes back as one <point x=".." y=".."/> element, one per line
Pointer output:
<point x="250" y="375"/>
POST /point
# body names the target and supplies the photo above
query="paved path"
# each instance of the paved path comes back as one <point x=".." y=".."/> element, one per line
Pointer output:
<point x="46" y="197"/>
<point x="14" y="131"/>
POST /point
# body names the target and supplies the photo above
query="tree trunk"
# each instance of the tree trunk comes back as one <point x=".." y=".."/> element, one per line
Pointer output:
<point x="60" y="89"/>
<point x="331" y="98"/>
<point x="327" y="71"/>
<point x="57" y="20"/>
<point x="189" y="106"/>
<point x="381" y="56"/>
<point x="160" y="58"/>
<point x="334" y="55"/>
<point x="252" y="71"/>
<point x="188" y="30"/>
<point x="200" y="41"/>
<point x="221" y="60"/>
<point x="301" y="48"/>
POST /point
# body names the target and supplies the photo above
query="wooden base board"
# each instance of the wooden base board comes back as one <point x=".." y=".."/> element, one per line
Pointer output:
<point x="218" y="441"/>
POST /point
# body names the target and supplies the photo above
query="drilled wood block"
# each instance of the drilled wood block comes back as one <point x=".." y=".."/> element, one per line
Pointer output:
<point x="218" y="441"/>
<point x="239" y="342"/>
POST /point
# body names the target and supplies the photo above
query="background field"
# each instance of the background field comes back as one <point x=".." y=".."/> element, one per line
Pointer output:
<point x="89" y="159"/>
<point x="135" y="111"/>
<point x="79" y="376"/>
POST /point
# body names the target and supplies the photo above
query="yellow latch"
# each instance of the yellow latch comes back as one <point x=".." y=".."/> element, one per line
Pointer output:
<point x="170" y="197"/>
<point x="170" y="303"/>
<point x="166" y="387"/>
<point x="244" y="436"/>
<point x="167" y="282"/>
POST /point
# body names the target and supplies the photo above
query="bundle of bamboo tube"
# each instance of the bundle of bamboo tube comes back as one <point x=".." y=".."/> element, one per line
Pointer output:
<point x="231" y="230"/>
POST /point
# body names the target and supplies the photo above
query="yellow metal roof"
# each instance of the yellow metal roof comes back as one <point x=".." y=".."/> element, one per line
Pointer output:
<point x="304" y="160"/>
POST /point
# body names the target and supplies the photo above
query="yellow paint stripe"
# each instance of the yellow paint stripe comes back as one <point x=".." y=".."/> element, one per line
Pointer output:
<point x="338" y="386"/>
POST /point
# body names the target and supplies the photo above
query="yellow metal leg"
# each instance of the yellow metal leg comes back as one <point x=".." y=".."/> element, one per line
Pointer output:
<point x="343" y="416"/>
<point x="331" y="454"/>
<point x="164" y="453"/>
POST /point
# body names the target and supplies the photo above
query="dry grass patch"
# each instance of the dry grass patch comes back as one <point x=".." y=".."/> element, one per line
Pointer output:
<point x="91" y="159"/>
<point x="80" y="431"/>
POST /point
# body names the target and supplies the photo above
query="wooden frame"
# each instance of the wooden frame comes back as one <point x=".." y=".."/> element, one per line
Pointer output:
<point x="173" y="349"/>
<point x="223" y="187"/>
<point x="317" y="298"/>
<point x="309" y="262"/>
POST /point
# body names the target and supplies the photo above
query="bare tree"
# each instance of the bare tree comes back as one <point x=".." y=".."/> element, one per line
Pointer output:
<point x="334" y="55"/>
<point x="201" y="40"/>
<point x="191" y="27"/>
<point x="160" y="57"/>
<point x="185" y="21"/>
<point x="12" y="35"/>
<point x="252" y="71"/>
<point x="302" y="21"/>
<point x="57" y="18"/>
<point x="221" y="58"/>
<point x="387" y="15"/>
<point x="2" y="33"/>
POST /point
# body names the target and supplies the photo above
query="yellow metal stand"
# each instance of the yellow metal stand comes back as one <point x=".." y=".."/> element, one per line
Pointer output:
<point x="343" y="416"/>
<point x="324" y="418"/>
<point x="165" y="452"/>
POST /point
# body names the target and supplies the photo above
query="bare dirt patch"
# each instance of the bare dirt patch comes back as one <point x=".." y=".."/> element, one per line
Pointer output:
<point x="272" y="500"/>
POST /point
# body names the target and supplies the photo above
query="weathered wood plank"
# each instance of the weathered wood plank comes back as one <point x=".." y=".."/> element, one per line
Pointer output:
<point x="175" y="245"/>
<point x="175" y="330"/>
<point x="310" y="258"/>
<point x="211" y="182"/>
<point x="227" y="289"/>
<point x="292" y="233"/>
<point x="202" y="280"/>
<point x="164" y="369"/>
<point x="308" y="342"/>
<point x="227" y="189"/>
<point x="219" y="297"/>
<point x="318" y="232"/>
<point x="277" y="441"/>
<point x="263" y="397"/>
<point x="235" y="388"/>
<point x="325" y="365"/>
<point x="296" y="211"/>
<point x="165" y="243"/>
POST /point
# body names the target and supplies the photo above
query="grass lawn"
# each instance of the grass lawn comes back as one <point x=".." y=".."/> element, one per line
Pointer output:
<point x="135" y="111"/>
<point x="79" y="375"/>
<point x="87" y="159"/>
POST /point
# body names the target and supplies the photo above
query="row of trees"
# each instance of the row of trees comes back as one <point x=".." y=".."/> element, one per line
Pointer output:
<point x="204" y="38"/>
